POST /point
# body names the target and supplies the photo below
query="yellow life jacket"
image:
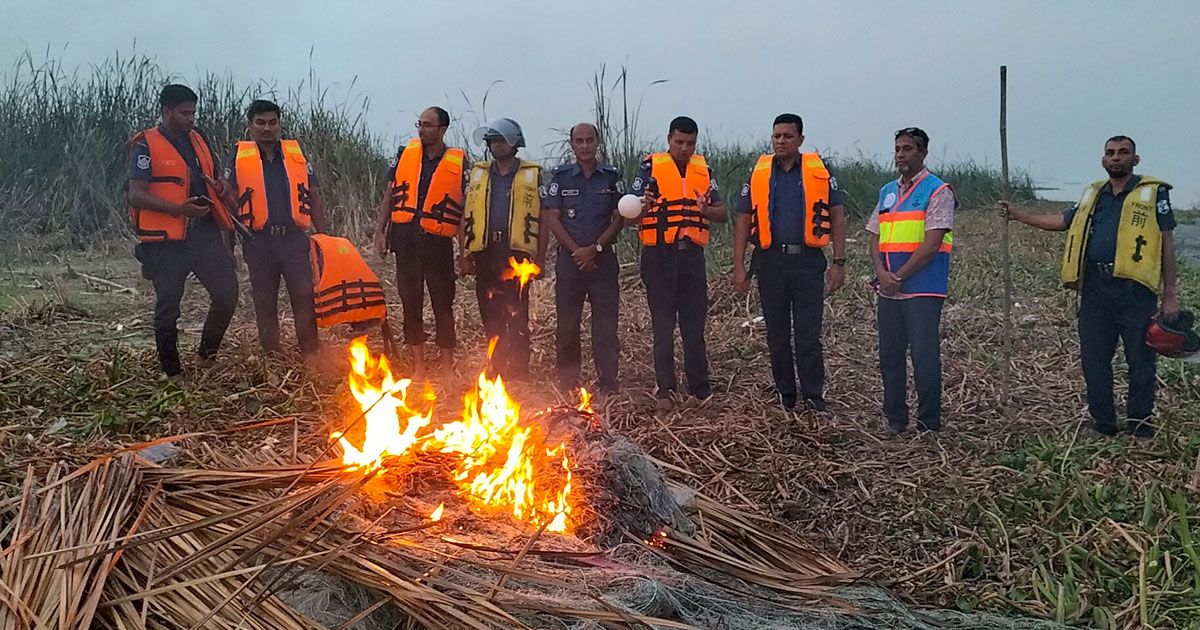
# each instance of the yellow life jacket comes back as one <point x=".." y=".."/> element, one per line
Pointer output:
<point x="524" y="215"/>
<point x="1139" y="240"/>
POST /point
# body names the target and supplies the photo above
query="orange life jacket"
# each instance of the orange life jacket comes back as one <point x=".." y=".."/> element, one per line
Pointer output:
<point x="442" y="210"/>
<point x="676" y="213"/>
<point x="345" y="289"/>
<point x="818" y="222"/>
<point x="170" y="180"/>
<point x="252" y="201"/>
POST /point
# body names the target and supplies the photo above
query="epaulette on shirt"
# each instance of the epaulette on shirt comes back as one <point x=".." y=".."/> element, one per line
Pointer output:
<point x="561" y="168"/>
<point x="608" y="169"/>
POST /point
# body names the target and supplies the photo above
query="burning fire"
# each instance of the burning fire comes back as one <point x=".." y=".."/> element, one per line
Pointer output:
<point x="521" y="271"/>
<point x="436" y="515"/>
<point x="504" y="465"/>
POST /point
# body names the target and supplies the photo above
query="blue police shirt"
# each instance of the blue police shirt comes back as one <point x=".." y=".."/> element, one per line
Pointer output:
<point x="139" y="169"/>
<point x="275" y="180"/>
<point x="1106" y="218"/>
<point x="787" y="207"/>
<point x="500" y="201"/>
<point x="585" y="203"/>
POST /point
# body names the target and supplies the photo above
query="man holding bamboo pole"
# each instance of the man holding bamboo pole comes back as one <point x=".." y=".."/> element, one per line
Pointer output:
<point x="1120" y="256"/>
<point x="910" y="248"/>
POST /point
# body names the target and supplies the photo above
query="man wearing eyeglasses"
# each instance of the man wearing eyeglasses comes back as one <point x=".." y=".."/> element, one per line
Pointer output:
<point x="791" y="207"/>
<point x="419" y="218"/>
<point x="910" y="249"/>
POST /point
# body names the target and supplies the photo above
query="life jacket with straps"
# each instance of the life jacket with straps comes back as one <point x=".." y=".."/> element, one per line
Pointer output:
<point x="818" y="221"/>
<point x="441" y="210"/>
<point x="675" y="214"/>
<point x="1139" y="239"/>
<point x="902" y="230"/>
<point x="252" y="201"/>
<point x="345" y="289"/>
<point x="171" y="180"/>
<point x="524" y="215"/>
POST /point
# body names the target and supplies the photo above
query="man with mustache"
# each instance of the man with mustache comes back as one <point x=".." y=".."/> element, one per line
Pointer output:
<point x="1120" y="256"/>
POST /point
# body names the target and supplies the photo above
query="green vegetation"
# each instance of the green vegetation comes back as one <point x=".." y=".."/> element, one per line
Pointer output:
<point x="64" y="136"/>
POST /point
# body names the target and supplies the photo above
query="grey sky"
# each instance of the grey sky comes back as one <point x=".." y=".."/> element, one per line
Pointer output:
<point x="1078" y="71"/>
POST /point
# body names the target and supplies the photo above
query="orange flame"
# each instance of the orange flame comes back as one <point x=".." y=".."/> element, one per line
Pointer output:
<point x="521" y="271"/>
<point x="585" y="400"/>
<point x="436" y="515"/>
<point x="503" y="465"/>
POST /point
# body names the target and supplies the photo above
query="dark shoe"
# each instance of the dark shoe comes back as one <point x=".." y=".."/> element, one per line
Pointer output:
<point x="929" y="426"/>
<point x="896" y="428"/>
<point x="702" y="393"/>
<point x="788" y="402"/>
<point x="1105" y="428"/>
<point x="816" y="404"/>
<point x="1140" y="428"/>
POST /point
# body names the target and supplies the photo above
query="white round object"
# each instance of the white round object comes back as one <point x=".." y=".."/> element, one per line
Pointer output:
<point x="629" y="206"/>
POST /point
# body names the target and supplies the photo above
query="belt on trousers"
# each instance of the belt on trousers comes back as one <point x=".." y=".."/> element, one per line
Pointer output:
<point x="789" y="248"/>
<point x="497" y="236"/>
<point x="277" y="230"/>
<point x="1104" y="270"/>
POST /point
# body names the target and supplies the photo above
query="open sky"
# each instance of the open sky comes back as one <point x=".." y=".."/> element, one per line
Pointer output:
<point x="1079" y="71"/>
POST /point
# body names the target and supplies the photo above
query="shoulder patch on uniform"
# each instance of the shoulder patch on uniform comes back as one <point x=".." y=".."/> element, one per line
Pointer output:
<point x="833" y="183"/>
<point x="542" y="192"/>
<point x="143" y="162"/>
<point x="745" y="189"/>
<point x="1164" y="206"/>
<point x="619" y="185"/>
<point x="553" y="189"/>
<point x="637" y="183"/>
<point x="889" y="200"/>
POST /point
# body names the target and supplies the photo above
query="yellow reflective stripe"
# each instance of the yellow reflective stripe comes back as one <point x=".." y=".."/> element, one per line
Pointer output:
<point x="902" y="231"/>
<point x="454" y="157"/>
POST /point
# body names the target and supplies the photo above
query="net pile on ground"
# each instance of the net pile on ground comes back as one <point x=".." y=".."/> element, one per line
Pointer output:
<point x="125" y="544"/>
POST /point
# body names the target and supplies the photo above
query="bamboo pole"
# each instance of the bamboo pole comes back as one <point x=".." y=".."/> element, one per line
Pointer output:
<point x="1006" y="194"/>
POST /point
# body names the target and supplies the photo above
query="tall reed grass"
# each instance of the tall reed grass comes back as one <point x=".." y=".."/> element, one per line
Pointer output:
<point x="64" y="134"/>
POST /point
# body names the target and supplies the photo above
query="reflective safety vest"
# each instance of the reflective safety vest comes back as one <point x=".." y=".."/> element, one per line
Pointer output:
<point x="1139" y="240"/>
<point x="252" y="201"/>
<point x="524" y="214"/>
<point x="441" y="210"/>
<point x="345" y="289"/>
<point x="902" y="230"/>
<point x="676" y="213"/>
<point x="817" y="219"/>
<point x="170" y="180"/>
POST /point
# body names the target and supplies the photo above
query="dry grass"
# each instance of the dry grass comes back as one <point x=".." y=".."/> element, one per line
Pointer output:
<point x="1018" y="510"/>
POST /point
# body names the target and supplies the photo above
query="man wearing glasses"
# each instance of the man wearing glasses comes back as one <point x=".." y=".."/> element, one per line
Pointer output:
<point x="419" y="218"/>
<point x="910" y="249"/>
<point x="792" y="209"/>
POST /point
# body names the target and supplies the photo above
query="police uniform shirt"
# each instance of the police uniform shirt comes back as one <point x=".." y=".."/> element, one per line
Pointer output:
<point x="585" y="204"/>
<point x="500" y="199"/>
<point x="139" y="169"/>
<point x="1106" y="218"/>
<point x="279" y="190"/>
<point x="786" y="207"/>
<point x="642" y="179"/>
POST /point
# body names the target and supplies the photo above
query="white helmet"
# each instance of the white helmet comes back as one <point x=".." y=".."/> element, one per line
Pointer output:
<point x="506" y="128"/>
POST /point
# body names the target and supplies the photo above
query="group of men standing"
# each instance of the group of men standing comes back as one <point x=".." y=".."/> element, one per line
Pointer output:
<point x="790" y="209"/>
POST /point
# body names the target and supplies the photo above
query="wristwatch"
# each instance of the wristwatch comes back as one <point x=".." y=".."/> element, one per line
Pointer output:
<point x="599" y="248"/>
<point x="841" y="262"/>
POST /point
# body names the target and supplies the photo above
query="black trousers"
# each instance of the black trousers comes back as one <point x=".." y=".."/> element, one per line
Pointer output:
<point x="167" y="265"/>
<point x="911" y="326"/>
<point x="677" y="291"/>
<point x="270" y="257"/>
<point x="1112" y="309"/>
<point x="600" y="288"/>
<point x="504" y="309"/>
<point x="791" y="289"/>
<point x="424" y="260"/>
